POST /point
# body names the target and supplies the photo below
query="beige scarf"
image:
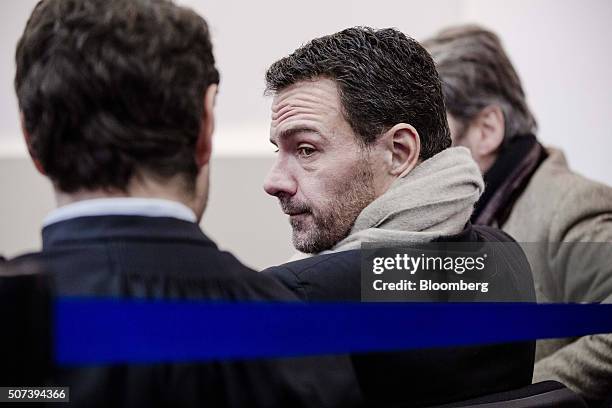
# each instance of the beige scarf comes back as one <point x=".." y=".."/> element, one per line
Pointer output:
<point x="435" y="199"/>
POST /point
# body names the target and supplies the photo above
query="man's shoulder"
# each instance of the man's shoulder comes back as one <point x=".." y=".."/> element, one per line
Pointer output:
<point x="22" y="277"/>
<point x="554" y="178"/>
<point x="473" y="233"/>
<point x="24" y="264"/>
<point x="328" y="260"/>
<point x="486" y="233"/>
<point x="134" y="270"/>
<point x="554" y="199"/>
<point x="555" y="184"/>
<point x="241" y="282"/>
<point x="333" y="276"/>
<point x="337" y="276"/>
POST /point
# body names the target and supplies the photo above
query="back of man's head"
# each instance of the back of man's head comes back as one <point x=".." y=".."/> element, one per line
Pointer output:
<point x="111" y="88"/>
<point x="476" y="73"/>
<point x="384" y="78"/>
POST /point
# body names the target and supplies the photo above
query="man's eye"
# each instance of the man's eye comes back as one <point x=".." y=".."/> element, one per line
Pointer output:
<point x="305" y="151"/>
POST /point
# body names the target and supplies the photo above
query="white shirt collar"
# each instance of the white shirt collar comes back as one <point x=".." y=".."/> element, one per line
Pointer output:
<point x="148" y="207"/>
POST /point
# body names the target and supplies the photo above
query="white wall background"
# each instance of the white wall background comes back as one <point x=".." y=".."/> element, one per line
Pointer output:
<point x="560" y="48"/>
<point x="562" y="51"/>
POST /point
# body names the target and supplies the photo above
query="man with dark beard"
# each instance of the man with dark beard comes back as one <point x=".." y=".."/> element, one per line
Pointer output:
<point x="364" y="155"/>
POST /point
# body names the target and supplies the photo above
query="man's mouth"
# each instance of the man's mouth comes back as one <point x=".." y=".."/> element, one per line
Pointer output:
<point x="293" y="209"/>
<point x="295" y="214"/>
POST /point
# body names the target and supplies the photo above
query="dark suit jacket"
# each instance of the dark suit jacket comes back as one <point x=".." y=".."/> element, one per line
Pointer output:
<point x="152" y="258"/>
<point x="432" y="376"/>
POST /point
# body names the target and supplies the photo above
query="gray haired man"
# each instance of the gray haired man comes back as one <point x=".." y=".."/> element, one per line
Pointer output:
<point x="532" y="195"/>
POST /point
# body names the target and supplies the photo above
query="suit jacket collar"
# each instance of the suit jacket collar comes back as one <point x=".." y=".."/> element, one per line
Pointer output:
<point x="115" y="227"/>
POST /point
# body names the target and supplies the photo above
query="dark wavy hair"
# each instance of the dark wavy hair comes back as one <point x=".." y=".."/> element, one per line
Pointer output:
<point x="109" y="88"/>
<point x="384" y="78"/>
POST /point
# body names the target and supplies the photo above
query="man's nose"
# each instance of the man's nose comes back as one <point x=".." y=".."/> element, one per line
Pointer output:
<point x="279" y="181"/>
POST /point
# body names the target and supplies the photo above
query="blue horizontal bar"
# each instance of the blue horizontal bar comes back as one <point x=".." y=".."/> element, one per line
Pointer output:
<point x="106" y="331"/>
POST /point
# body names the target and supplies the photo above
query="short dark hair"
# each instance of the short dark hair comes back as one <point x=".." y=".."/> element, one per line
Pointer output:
<point x="476" y="72"/>
<point x="384" y="78"/>
<point x="111" y="87"/>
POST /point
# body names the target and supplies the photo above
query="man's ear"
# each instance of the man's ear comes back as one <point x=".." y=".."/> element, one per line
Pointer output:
<point x="404" y="142"/>
<point x="491" y="125"/>
<point x="28" y="141"/>
<point x="207" y="127"/>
